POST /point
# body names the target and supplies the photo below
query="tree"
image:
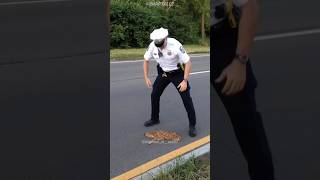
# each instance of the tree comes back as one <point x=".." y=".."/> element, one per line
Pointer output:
<point x="202" y="9"/>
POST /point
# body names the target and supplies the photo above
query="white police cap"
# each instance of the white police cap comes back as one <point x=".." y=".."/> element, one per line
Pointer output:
<point x="159" y="34"/>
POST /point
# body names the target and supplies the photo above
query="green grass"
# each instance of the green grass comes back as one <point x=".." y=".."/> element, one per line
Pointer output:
<point x="191" y="169"/>
<point x="137" y="53"/>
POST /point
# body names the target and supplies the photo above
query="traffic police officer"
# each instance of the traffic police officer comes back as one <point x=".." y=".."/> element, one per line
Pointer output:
<point x="232" y="32"/>
<point x="173" y="66"/>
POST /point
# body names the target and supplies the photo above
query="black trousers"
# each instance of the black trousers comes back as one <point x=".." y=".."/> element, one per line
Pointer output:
<point x="158" y="87"/>
<point x="245" y="118"/>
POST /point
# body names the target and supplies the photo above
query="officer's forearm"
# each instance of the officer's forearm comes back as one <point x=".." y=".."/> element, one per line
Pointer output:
<point x="145" y="68"/>
<point x="247" y="27"/>
<point x="187" y="70"/>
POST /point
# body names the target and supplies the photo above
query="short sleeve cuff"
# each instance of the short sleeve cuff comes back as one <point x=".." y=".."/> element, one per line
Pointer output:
<point x="146" y="58"/>
<point x="185" y="58"/>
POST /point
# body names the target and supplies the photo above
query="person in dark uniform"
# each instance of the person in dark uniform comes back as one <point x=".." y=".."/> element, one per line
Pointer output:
<point x="233" y="28"/>
<point x="174" y="66"/>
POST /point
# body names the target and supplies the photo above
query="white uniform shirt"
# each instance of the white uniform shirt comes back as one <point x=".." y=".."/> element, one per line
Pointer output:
<point x="170" y="56"/>
<point x="215" y="3"/>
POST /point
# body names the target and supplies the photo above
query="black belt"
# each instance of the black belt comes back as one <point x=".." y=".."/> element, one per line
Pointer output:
<point x="169" y="73"/>
<point x="222" y="29"/>
<point x="222" y="25"/>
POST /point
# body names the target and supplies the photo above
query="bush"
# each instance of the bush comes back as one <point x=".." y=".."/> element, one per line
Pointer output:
<point x="132" y="23"/>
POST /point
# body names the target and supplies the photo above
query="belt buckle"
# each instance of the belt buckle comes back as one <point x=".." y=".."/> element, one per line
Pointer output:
<point x="164" y="74"/>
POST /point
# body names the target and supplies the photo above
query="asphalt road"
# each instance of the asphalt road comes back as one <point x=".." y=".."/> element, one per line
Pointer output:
<point x="51" y="29"/>
<point x="287" y="70"/>
<point x="130" y="107"/>
<point x="53" y="90"/>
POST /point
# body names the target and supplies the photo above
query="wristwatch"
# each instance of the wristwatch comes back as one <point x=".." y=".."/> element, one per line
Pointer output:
<point x="242" y="58"/>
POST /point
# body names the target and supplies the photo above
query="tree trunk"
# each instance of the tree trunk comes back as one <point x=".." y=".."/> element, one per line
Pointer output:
<point x="203" y="35"/>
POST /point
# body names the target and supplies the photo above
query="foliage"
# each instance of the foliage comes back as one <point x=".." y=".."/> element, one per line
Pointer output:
<point x="133" y="21"/>
<point x="191" y="169"/>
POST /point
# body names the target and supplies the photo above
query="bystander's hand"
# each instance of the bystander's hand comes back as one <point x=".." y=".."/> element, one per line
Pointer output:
<point x="234" y="77"/>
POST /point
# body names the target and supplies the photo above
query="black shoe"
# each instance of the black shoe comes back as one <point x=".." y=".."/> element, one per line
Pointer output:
<point x="192" y="131"/>
<point x="151" y="122"/>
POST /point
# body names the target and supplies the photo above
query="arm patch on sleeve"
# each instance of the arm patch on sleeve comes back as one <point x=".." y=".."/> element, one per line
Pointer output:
<point x="182" y="49"/>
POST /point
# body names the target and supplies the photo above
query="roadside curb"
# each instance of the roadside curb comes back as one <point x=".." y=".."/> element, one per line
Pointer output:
<point x="117" y="61"/>
<point x="153" y="167"/>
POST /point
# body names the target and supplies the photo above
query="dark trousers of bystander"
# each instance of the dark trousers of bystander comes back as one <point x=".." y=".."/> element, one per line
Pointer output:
<point x="246" y="120"/>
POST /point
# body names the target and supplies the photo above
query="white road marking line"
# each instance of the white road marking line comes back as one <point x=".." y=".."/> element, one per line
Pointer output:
<point x="31" y="2"/>
<point x="288" y="34"/>
<point x="155" y="75"/>
<point x="199" y="72"/>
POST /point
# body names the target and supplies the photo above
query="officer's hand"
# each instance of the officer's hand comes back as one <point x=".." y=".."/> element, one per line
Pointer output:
<point x="148" y="82"/>
<point x="234" y="76"/>
<point x="183" y="86"/>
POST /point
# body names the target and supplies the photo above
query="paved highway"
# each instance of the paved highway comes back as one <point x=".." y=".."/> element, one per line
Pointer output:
<point x="130" y="107"/>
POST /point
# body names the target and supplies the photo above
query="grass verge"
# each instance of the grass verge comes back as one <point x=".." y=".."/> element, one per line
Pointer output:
<point x="137" y="53"/>
<point x="191" y="169"/>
